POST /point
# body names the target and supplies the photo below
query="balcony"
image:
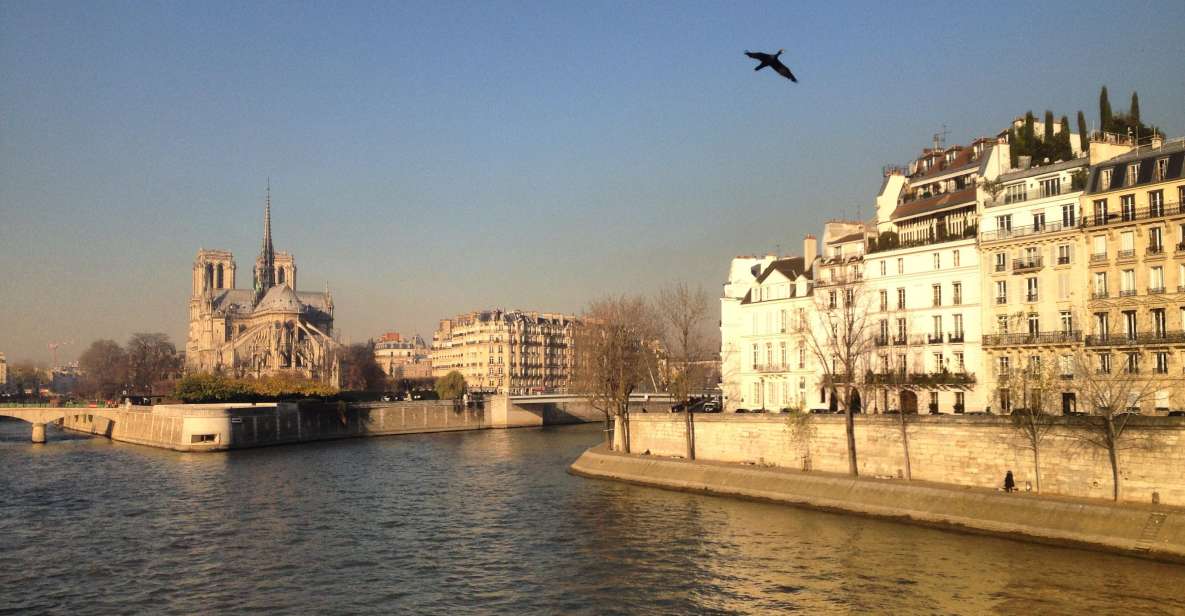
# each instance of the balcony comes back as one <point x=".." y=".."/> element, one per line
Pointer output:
<point x="1030" y="297"/>
<point x="1099" y="295"/>
<point x="1098" y="257"/>
<point x="899" y="341"/>
<point x="934" y="339"/>
<point x="1137" y="339"/>
<point x="944" y="379"/>
<point x="771" y="368"/>
<point x="1155" y="290"/>
<point x="881" y="341"/>
<point x="1027" y="265"/>
<point x="1126" y="254"/>
<point x="1155" y="249"/>
<point x="1023" y="339"/>
<point x="955" y="338"/>
<point x="1025" y="231"/>
<point x="1000" y="267"/>
<point x="1180" y="247"/>
<point x="1127" y="292"/>
<point x="1063" y="260"/>
<point x="1132" y="215"/>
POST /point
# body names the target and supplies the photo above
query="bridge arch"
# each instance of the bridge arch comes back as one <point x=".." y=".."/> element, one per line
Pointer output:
<point x="38" y="417"/>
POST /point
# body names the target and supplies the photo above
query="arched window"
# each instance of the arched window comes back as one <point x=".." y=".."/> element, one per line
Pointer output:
<point x="209" y="281"/>
<point x="218" y="279"/>
<point x="279" y="275"/>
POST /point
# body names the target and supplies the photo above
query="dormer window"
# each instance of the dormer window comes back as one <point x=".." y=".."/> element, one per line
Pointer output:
<point x="950" y="156"/>
<point x="1161" y="170"/>
<point x="1133" y="173"/>
<point x="1105" y="179"/>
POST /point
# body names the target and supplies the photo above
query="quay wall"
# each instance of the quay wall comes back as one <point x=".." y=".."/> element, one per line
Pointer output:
<point x="214" y="427"/>
<point x="967" y="451"/>
<point x="1147" y="531"/>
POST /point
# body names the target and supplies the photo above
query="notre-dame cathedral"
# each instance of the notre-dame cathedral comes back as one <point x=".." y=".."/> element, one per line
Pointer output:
<point x="269" y="329"/>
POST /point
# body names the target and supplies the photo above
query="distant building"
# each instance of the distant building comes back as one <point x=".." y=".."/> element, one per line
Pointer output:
<point x="269" y="329"/>
<point x="3" y="372"/>
<point x="403" y="358"/>
<point x="514" y="352"/>
<point x="64" y="379"/>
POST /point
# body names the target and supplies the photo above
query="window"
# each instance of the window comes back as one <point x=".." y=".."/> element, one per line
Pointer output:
<point x="937" y="319"/>
<point x="884" y="293"/>
<point x="960" y="364"/>
<point x="1105" y="179"/>
<point x="958" y="327"/>
<point x="1158" y="321"/>
<point x="1155" y="240"/>
<point x="1160" y="170"/>
<point x="756" y="401"/>
<point x="1031" y="289"/>
<point x="1099" y="248"/>
<point x="203" y="438"/>
<point x="1066" y="365"/>
<point x="1100" y="284"/>
<point x="782" y="354"/>
<point x="1002" y="324"/>
<point x="1133" y="174"/>
<point x="1131" y="364"/>
<point x="883" y="267"/>
<point x="1034" y="322"/>
<point x="1129" y="323"/>
<point x="1063" y="285"/>
<point x="831" y="299"/>
<point x="1038" y="221"/>
<point x="901" y="331"/>
<point x="1051" y="187"/>
<point x="956" y="293"/>
<point x="756" y="356"/>
<point x="1065" y="254"/>
<point x="782" y="321"/>
<point x="1015" y="193"/>
<point x="939" y="362"/>
<point x="901" y="298"/>
<point x="1102" y="326"/>
<point x="1127" y="282"/>
<point x="1156" y="203"/>
<point x="1156" y="280"/>
<point x="1105" y="363"/>
<point x="801" y="357"/>
<point x="937" y="291"/>
<point x="1005" y="396"/>
<point x="1162" y="398"/>
<point x="1067" y="320"/>
<point x="1004" y="223"/>
<point x="1003" y="365"/>
<point x="1070" y="215"/>
<point x="1032" y="254"/>
<point x="1001" y="291"/>
<point x="955" y="258"/>
<point x="933" y="401"/>
<point x="900" y="266"/>
<point x="884" y="335"/>
<point x="959" y="406"/>
<point x="937" y="260"/>
<point x="1001" y="261"/>
<point x="1127" y="207"/>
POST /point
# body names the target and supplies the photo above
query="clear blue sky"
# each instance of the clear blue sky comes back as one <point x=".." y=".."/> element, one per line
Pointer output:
<point x="428" y="159"/>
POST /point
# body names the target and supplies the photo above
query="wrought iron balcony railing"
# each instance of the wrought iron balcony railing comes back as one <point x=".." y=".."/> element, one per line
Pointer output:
<point x="1136" y="339"/>
<point x="1024" y="338"/>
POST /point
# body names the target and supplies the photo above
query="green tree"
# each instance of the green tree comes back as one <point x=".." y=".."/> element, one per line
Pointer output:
<point x="1028" y="136"/>
<point x="1106" y="120"/>
<point x="1063" y="151"/>
<point x="1083" y="138"/>
<point x="104" y="367"/>
<point x="450" y="386"/>
<point x="206" y="387"/>
<point x="151" y="358"/>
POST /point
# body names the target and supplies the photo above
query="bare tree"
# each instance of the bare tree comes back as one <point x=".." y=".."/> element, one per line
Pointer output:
<point x="1111" y="395"/>
<point x="682" y="311"/>
<point x="104" y="367"/>
<point x="613" y="351"/>
<point x="840" y="336"/>
<point x="1034" y="393"/>
<point x="151" y="358"/>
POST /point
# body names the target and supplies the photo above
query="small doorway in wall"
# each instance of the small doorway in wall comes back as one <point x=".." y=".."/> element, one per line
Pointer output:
<point x="856" y="405"/>
<point x="909" y="402"/>
<point x="1069" y="403"/>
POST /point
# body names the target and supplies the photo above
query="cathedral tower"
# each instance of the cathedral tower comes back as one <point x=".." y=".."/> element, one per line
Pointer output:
<point x="265" y="265"/>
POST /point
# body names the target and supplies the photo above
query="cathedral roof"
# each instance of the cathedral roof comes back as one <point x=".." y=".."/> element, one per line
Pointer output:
<point x="280" y="299"/>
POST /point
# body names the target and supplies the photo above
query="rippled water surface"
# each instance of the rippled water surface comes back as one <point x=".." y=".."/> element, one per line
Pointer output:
<point x="484" y="523"/>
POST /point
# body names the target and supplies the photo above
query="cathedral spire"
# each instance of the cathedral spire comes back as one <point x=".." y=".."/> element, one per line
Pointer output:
<point x="265" y="265"/>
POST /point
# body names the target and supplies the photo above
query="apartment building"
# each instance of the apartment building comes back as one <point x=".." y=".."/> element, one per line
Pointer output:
<point x="765" y="360"/>
<point x="923" y="269"/>
<point x="1034" y="262"/>
<point x="513" y="352"/>
<point x="403" y="357"/>
<point x="1134" y="226"/>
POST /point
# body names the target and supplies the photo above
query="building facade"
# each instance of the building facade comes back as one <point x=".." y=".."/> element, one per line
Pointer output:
<point x="403" y="357"/>
<point x="268" y="329"/>
<point x="1134" y="228"/>
<point x="509" y="352"/>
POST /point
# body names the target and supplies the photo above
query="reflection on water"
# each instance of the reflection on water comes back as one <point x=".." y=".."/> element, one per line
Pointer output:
<point x="484" y="523"/>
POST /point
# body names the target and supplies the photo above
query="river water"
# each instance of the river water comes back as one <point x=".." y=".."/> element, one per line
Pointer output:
<point x="485" y="523"/>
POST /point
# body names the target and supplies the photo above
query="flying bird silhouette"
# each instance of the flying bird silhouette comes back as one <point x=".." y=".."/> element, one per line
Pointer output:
<point x="773" y="61"/>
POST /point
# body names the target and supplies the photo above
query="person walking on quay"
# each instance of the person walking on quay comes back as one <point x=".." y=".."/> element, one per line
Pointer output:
<point x="1009" y="482"/>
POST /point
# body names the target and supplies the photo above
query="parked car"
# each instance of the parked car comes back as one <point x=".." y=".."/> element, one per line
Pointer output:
<point x="423" y="394"/>
<point x="742" y="410"/>
<point x="711" y="406"/>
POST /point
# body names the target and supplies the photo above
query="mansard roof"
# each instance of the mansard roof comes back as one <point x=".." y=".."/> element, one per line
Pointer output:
<point x="933" y="204"/>
<point x="791" y="268"/>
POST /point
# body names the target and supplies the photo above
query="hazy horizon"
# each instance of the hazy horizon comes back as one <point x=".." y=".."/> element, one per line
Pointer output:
<point x="432" y="159"/>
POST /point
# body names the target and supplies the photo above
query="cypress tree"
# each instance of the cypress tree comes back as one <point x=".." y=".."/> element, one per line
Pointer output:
<point x="1083" y="139"/>
<point x="1028" y="138"/>
<point x="1048" y="136"/>
<point x="1105" y="110"/>
<point x="1134" y="112"/>
<point x="1064" y="151"/>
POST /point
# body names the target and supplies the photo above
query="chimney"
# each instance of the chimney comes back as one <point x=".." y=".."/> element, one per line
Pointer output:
<point x="810" y="248"/>
<point x="1024" y="162"/>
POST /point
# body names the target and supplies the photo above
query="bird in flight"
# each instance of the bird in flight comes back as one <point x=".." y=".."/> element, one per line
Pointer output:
<point x="771" y="60"/>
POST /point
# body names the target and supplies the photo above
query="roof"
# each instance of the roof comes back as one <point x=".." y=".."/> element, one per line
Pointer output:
<point x="280" y="299"/>
<point x="791" y="268"/>
<point x="964" y="161"/>
<point x="934" y="204"/>
<point x="1173" y="150"/>
<point x="234" y="300"/>
<point x="858" y="236"/>
<point x="1074" y="163"/>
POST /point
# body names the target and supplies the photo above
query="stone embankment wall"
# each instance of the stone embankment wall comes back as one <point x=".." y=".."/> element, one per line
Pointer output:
<point x="220" y="427"/>
<point x="970" y="450"/>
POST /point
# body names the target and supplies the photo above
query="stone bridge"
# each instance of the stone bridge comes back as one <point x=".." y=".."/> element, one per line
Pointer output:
<point x="39" y="416"/>
<point x="558" y="409"/>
